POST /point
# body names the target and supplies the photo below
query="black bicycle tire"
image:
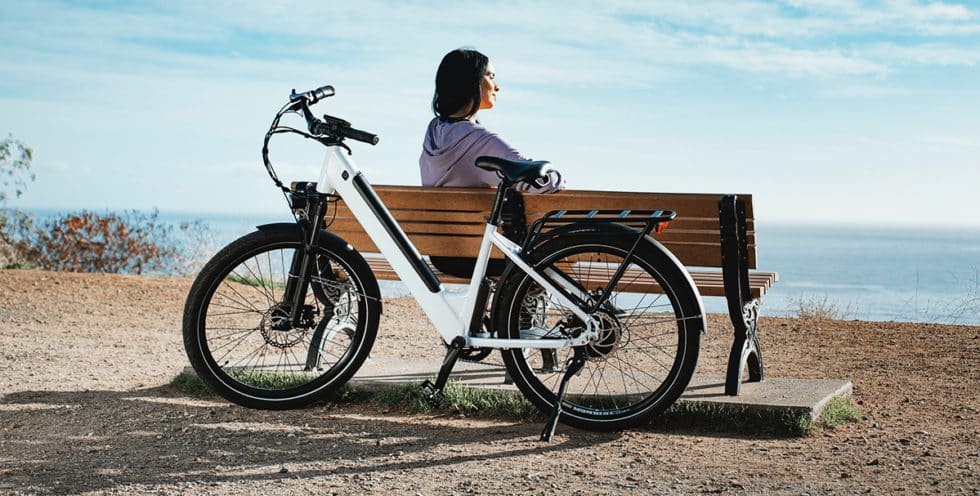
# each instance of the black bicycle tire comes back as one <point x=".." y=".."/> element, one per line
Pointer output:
<point x="210" y="277"/>
<point x="684" y="300"/>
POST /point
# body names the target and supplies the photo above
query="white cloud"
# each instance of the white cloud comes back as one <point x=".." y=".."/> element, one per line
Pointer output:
<point x="932" y="11"/>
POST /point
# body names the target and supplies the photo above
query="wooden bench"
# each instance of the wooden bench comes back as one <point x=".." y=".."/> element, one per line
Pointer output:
<point x="713" y="236"/>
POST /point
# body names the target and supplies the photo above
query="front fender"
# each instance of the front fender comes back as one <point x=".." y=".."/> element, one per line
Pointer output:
<point x="279" y="225"/>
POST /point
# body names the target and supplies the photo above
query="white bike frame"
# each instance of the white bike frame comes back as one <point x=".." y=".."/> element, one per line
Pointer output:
<point x="451" y="313"/>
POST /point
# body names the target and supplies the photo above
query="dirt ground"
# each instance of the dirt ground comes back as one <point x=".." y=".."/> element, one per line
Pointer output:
<point x="85" y="359"/>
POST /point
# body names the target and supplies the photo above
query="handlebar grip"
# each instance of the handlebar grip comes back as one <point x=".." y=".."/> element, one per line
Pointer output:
<point x="313" y="96"/>
<point x="363" y="136"/>
<point x="322" y="92"/>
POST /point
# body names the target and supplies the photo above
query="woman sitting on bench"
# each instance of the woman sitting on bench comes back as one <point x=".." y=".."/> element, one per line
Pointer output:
<point x="454" y="139"/>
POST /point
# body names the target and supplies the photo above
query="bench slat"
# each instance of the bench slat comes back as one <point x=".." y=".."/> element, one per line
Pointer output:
<point x="696" y="204"/>
<point x="452" y="199"/>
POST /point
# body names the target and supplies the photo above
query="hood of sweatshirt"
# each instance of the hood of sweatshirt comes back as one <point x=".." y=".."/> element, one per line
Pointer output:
<point x="446" y="142"/>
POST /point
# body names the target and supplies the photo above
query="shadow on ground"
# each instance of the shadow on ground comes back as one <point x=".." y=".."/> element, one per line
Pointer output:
<point x="92" y="440"/>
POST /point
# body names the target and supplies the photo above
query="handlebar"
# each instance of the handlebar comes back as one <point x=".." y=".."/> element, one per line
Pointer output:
<point x="330" y="131"/>
<point x="332" y="127"/>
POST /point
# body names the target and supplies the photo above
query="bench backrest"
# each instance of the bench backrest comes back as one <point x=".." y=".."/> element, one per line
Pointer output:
<point x="450" y="221"/>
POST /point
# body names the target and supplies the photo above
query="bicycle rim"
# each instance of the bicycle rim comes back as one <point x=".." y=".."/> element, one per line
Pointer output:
<point x="249" y="348"/>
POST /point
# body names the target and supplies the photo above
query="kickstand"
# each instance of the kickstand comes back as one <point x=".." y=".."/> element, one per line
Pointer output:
<point x="575" y="364"/>
<point x="432" y="393"/>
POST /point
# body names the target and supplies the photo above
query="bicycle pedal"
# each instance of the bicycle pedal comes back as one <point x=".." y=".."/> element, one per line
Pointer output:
<point x="433" y="396"/>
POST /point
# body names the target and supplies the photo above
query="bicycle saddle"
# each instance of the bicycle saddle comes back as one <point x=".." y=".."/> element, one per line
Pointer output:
<point x="515" y="171"/>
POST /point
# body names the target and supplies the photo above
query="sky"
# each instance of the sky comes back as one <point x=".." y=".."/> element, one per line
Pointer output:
<point x="826" y="111"/>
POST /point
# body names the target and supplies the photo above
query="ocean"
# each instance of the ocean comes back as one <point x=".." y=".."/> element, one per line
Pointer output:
<point x="875" y="273"/>
<point x="867" y="273"/>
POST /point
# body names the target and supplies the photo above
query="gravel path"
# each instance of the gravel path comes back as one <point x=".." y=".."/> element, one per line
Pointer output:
<point x="84" y="360"/>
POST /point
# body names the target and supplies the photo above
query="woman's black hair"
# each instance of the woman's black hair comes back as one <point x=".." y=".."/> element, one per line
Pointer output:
<point x="458" y="83"/>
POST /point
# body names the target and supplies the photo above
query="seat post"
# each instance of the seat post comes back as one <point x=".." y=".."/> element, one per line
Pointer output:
<point x="496" y="211"/>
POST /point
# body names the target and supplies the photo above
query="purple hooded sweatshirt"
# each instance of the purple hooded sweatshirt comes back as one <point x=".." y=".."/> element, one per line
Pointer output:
<point x="450" y="150"/>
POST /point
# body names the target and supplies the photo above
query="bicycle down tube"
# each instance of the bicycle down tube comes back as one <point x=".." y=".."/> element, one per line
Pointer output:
<point x="450" y="313"/>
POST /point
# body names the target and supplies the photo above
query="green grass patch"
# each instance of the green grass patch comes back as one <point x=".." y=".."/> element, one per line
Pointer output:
<point x="271" y="380"/>
<point x="193" y="384"/>
<point x="403" y="396"/>
<point x="478" y="402"/>
<point x="190" y="384"/>
<point x="840" y="411"/>
<point x="489" y="403"/>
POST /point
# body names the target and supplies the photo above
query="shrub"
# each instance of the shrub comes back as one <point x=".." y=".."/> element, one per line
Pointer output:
<point x="128" y="243"/>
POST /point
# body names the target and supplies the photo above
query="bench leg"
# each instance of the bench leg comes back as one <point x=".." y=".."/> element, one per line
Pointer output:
<point x="746" y="351"/>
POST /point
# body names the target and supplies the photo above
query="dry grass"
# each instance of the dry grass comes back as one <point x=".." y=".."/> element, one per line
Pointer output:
<point x="816" y="308"/>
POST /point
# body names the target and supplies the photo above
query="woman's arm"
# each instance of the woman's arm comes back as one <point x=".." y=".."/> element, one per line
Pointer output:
<point x="495" y="146"/>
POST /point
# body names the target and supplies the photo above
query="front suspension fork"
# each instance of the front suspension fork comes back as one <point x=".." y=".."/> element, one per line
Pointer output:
<point x="303" y="264"/>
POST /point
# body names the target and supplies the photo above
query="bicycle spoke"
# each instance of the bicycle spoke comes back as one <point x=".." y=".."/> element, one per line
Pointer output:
<point x="235" y="346"/>
<point x="243" y="330"/>
<point x="241" y="297"/>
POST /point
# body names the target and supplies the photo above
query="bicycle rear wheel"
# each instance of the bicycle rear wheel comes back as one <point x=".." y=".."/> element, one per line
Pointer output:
<point x="238" y="334"/>
<point x="648" y="344"/>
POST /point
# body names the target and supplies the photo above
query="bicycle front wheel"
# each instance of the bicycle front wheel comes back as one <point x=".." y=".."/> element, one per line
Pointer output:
<point x="649" y="332"/>
<point x="240" y="338"/>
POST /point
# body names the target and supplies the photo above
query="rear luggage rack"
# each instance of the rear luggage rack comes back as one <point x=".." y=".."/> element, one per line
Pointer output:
<point x="642" y="221"/>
